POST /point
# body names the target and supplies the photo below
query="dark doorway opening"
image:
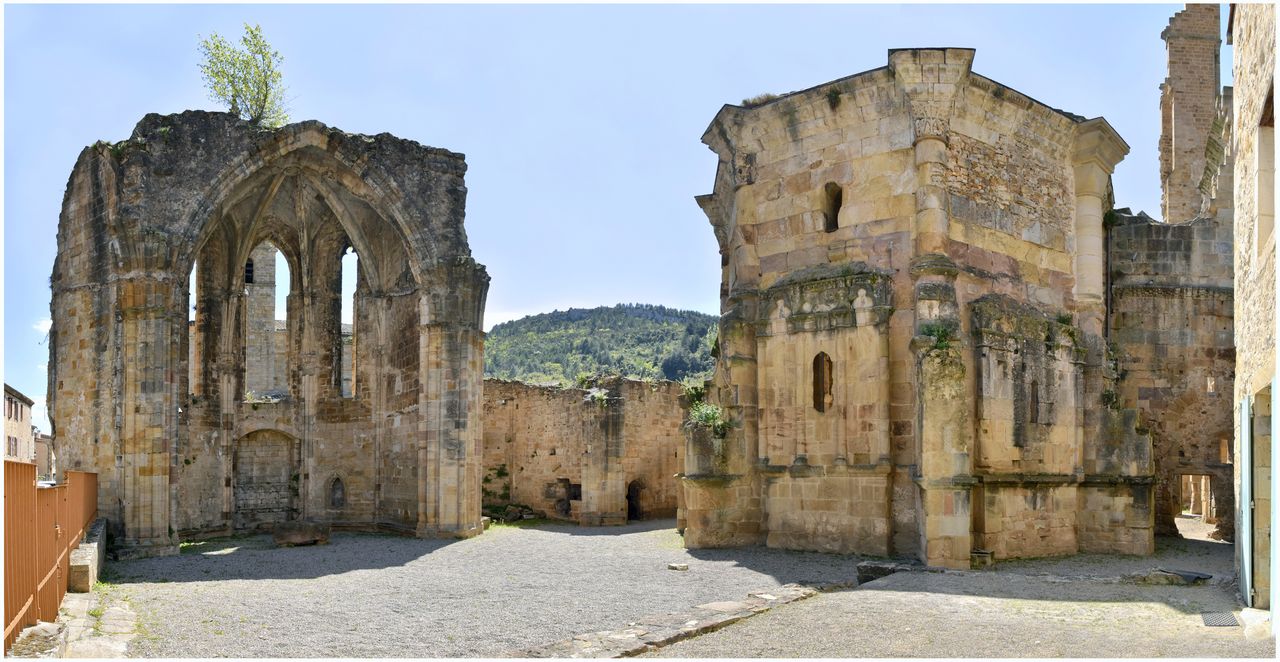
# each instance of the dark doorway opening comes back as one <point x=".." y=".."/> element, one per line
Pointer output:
<point x="633" y="499"/>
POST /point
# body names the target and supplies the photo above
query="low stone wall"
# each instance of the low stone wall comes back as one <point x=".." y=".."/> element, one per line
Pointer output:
<point x="598" y="456"/>
<point x="87" y="559"/>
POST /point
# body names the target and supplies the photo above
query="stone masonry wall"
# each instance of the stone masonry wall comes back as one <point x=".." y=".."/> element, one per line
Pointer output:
<point x="1187" y="102"/>
<point x="859" y="223"/>
<point x="578" y="455"/>
<point x="155" y="404"/>
<point x="1253" y="36"/>
<point x="1170" y="284"/>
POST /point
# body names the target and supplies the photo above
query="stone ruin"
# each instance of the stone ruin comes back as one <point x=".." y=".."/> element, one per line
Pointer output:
<point x="599" y="456"/>
<point x="160" y="412"/>
<point x="938" y="339"/>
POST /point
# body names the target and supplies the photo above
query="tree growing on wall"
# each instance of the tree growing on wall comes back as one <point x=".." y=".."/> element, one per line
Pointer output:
<point x="247" y="78"/>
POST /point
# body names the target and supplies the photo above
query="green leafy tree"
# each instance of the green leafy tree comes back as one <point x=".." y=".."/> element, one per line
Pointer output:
<point x="247" y="78"/>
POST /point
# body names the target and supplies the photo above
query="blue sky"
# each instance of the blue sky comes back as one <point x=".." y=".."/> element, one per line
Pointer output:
<point x="580" y="123"/>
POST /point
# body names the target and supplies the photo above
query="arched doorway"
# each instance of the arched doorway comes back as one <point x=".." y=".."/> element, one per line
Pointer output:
<point x="634" y="488"/>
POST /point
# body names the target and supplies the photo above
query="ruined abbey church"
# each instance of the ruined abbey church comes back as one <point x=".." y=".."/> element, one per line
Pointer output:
<point x="942" y="334"/>
<point x="165" y="416"/>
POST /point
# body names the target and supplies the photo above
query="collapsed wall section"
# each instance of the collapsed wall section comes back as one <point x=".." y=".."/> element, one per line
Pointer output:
<point x="605" y="455"/>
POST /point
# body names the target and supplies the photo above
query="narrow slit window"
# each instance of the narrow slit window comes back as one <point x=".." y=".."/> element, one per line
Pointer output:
<point x="832" y="201"/>
<point x="822" y="399"/>
<point x="248" y="272"/>
<point x="1033" y="403"/>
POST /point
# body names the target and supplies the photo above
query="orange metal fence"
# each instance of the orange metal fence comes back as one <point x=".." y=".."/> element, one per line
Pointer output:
<point x="41" y="527"/>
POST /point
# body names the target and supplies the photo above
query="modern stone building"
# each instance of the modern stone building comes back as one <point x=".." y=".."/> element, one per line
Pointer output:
<point x="1252" y="32"/>
<point x="597" y="457"/>
<point x="913" y="343"/>
<point x="179" y="450"/>
<point x="46" y="461"/>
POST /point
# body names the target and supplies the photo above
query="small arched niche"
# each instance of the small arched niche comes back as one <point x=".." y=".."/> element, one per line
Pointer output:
<point x="337" y="494"/>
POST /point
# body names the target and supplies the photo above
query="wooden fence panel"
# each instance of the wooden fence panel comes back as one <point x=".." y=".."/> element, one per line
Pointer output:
<point x="19" y="548"/>
<point x="41" y="527"/>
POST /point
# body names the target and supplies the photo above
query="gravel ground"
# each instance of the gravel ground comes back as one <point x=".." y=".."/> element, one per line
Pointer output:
<point x="387" y="596"/>
<point x="986" y="614"/>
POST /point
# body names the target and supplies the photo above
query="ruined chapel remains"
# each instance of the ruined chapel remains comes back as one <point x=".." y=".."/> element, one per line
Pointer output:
<point x="939" y="339"/>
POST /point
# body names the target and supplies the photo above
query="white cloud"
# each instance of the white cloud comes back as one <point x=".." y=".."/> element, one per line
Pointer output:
<point x="43" y="325"/>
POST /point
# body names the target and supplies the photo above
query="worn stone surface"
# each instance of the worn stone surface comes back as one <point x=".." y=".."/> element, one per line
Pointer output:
<point x="87" y="558"/>
<point x="300" y="533"/>
<point x="911" y="339"/>
<point x="40" y="640"/>
<point x="179" y="450"/>
<point x="1171" y="310"/>
<point x="1253" y="37"/>
<point x="600" y="456"/>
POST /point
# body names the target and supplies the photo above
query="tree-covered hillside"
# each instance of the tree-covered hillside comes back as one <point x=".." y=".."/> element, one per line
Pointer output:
<point x="633" y="340"/>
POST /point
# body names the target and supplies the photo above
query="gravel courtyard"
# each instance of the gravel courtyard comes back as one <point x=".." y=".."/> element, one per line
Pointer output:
<point x="1074" y="606"/>
<point x="980" y="614"/>
<point x="387" y="596"/>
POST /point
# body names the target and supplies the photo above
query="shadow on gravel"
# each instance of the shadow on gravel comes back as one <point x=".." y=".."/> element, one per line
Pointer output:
<point x="256" y="557"/>
<point x="786" y="566"/>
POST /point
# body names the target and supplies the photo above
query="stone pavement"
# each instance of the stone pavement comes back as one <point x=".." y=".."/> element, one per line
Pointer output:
<point x="90" y="625"/>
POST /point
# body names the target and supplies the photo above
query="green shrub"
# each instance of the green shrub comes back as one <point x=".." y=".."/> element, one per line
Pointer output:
<point x="708" y="416"/>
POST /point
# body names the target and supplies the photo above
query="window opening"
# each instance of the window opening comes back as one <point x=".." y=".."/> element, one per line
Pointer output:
<point x="265" y="333"/>
<point x="1033" y="406"/>
<point x="822" y="382"/>
<point x="337" y="493"/>
<point x="350" y="269"/>
<point x="833" y="200"/>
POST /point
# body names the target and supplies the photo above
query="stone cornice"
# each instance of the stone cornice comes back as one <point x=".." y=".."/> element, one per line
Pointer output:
<point x="1097" y="150"/>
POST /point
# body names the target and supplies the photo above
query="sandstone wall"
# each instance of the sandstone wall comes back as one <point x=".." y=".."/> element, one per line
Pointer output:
<point x="1253" y="35"/>
<point x="597" y="457"/>
<point x="1187" y="107"/>
<point x="1171" y="322"/>
<point x="155" y="404"/>
<point x="861" y="223"/>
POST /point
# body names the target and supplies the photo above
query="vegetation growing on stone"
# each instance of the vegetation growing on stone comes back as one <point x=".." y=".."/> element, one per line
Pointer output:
<point x="709" y="416"/>
<point x="759" y="100"/>
<point x="247" y="79"/>
<point x="572" y="347"/>
<point x="942" y="334"/>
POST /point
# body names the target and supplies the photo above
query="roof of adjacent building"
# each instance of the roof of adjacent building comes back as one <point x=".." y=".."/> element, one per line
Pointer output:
<point x="18" y="394"/>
